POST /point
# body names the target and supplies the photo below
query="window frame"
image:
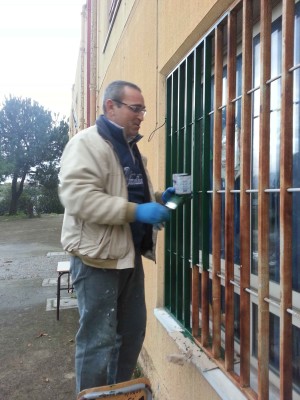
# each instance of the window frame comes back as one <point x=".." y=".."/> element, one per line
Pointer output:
<point x="112" y="11"/>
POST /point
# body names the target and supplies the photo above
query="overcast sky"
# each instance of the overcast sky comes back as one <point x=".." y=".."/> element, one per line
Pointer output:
<point x="39" y="44"/>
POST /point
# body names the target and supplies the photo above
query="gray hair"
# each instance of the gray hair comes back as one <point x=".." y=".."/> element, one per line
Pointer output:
<point x="115" y="91"/>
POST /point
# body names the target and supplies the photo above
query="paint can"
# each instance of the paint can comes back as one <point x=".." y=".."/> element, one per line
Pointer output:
<point x="182" y="183"/>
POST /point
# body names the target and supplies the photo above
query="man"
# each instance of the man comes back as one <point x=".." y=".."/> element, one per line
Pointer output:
<point x="110" y="211"/>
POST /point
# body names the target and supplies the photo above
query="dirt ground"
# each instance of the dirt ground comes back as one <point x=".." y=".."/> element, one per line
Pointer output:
<point x="36" y="350"/>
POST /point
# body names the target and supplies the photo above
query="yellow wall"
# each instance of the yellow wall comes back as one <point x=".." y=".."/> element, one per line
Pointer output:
<point x="148" y="40"/>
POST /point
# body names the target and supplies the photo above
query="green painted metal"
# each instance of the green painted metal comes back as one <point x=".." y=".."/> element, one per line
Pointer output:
<point x="196" y="154"/>
<point x="168" y="183"/>
<point x="206" y="154"/>
<point x="179" y="211"/>
<point x="173" y="222"/>
<point x="188" y="150"/>
<point x="187" y="205"/>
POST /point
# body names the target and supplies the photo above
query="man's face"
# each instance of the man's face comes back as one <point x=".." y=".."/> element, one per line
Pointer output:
<point x="122" y="115"/>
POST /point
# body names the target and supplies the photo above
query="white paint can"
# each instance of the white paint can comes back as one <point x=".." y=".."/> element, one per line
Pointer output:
<point x="182" y="183"/>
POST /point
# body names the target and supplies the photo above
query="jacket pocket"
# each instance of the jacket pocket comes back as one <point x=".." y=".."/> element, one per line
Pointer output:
<point x="105" y="241"/>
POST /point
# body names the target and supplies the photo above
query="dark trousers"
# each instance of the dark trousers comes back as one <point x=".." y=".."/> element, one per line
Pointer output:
<point x="112" y="322"/>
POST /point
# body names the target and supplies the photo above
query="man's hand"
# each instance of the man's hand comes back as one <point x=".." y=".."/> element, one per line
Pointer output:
<point x="151" y="213"/>
<point x="167" y="194"/>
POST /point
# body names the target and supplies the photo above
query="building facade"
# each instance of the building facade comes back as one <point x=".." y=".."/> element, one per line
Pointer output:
<point x="221" y="82"/>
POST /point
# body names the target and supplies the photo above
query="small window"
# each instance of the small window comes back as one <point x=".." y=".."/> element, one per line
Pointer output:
<point x="112" y="10"/>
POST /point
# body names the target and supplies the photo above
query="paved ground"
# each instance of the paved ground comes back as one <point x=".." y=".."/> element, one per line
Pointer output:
<point x="36" y="351"/>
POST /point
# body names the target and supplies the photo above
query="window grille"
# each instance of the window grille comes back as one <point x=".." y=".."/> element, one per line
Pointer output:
<point x="232" y="254"/>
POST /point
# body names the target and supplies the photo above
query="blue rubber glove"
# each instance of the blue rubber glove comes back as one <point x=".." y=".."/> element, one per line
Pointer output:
<point x="167" y="194"/>
<point x="151" y="213"/>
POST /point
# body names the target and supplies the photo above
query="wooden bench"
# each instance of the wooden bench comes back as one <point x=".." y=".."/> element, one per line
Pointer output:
<point x="63" y="268"/>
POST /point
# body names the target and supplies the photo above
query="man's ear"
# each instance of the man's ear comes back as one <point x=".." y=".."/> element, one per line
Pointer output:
<point x="109" y="106"/>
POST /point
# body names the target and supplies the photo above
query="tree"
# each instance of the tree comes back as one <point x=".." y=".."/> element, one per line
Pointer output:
<point x="30" y="141"/>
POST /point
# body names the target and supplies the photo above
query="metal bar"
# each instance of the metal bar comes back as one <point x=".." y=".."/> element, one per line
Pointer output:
<point x="206" y="148"/>
<point x="275" y="78"/>
<point x="205" y="186"/>
<point x="235" y="284"/>
<point x="251" y="190"/>
<point x="187" y="206"/>
<point x="272" y="190"/>
<point x="168" y="229"/>
<point x="245" y="144"/>
<point x="251" y="292"/>
<point x="58" y="294"/>
<point x="291" y="190"/>
<point x="229" y="200"/>
<point x="293" y="313"/>
<point x="236" y="99"/>
<point x="274" y="303"/>
<point x="195" y="301"/>
<point x="263" y="201"/>
<point x="250" y="91"/>
<point x="179" y="212"/>
<point x="216" y="207"/>
<point x="196" y="164"/>
<point x="286" y="157"/>
<point x="297" y="66"/>
<point x="174" y="166"/>
<point x="232" y="282"/>
<point x="196" y="182"/>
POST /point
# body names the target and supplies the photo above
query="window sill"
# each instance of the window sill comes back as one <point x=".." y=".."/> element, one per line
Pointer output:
<point x="189" y="352"/>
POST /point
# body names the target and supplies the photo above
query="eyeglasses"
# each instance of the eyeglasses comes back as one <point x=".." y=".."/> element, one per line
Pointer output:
<point x="134" y="108"/>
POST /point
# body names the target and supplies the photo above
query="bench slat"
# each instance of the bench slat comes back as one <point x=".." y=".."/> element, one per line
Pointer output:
<point x="63" y="266"/>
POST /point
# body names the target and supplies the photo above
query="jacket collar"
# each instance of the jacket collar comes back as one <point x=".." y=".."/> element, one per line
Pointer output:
<point x="110" y="130"/>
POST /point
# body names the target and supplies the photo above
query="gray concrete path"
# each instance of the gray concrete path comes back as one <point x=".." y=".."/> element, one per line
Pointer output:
<point x="36" y="351"/>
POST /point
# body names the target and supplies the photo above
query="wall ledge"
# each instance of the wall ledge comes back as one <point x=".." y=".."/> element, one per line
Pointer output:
<point x="191" y="353"/>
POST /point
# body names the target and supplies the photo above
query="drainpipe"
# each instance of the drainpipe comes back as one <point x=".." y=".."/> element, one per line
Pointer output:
<point x="93" y="75"/>
<point x="88" y="62"/>
<point x="82" y="69"/>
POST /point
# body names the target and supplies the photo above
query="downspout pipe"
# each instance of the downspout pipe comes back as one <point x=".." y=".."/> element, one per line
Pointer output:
<point x="88" y="63"/>
<point x="93" y="84"/>
<point x="82" y="70"/>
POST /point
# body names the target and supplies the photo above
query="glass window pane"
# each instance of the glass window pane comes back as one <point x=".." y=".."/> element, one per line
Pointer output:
<point x="223" y="226"/>
<point x="296" y="156"/>
<point x="296" y="357"/>
<point x="276" y="58"/>
<point x="254" y="233"/>
<point x="237" y="252"/>
<point x="254" y="330"/>
<point x="274" y="342"/>
<point x="237" y="316"/>
<point x="255" y="159"/>
<point x="256" y="62"/>
<point x="274" y="238"/>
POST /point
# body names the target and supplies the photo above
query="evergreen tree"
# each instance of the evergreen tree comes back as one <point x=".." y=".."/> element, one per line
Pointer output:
<point x="31" y="144"/>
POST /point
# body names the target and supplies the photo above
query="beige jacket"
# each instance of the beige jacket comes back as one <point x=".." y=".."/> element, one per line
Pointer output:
<point x="93" y="191"/>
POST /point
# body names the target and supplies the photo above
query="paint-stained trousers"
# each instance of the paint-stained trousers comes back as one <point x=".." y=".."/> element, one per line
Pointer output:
<point x="112" y="322"/>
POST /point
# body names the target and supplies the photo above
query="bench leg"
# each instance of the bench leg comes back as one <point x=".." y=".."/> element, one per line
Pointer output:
<point x="58" y="295"/>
